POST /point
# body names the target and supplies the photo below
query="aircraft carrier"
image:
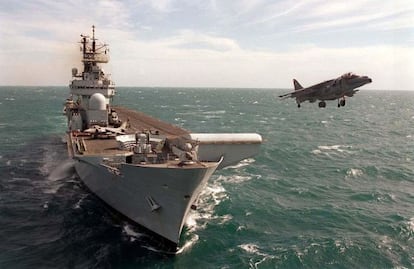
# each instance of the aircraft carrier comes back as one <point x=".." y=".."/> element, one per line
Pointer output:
<point x="148" y="170"/>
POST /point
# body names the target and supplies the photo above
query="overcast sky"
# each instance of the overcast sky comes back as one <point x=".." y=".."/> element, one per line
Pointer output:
<point x="211" y="43"/>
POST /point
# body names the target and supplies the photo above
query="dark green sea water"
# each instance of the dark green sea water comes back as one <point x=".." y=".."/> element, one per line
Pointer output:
<point x="331" y="188"/>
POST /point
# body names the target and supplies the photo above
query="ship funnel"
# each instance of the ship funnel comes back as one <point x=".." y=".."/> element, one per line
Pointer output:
<point x="74" y="72"/>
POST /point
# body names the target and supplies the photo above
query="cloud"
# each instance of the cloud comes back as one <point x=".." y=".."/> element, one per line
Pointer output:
<point x="230" y="44"/>
<point x="161" y="63"/>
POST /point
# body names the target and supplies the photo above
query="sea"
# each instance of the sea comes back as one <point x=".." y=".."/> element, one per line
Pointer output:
<point x="330" y="188"/>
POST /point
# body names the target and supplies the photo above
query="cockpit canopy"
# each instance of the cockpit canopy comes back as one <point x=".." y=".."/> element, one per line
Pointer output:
<point x="349" y="75"/>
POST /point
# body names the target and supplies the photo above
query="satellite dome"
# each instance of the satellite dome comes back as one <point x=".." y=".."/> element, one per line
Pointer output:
<point x="97" y="102"/>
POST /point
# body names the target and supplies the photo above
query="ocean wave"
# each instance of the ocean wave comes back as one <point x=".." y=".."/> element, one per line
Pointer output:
<point x="235" y="178"/>
<point x="211" y="196"/>
<point x="215" y="112"/>
<point x="250" y="248"/>
<point x="240" y="164"/>
<point x="188" y="244"/>
<point x="253" y="249"/>
<point x="374" y="196"/>
<point x="339" y="148"/>
<point x="410" y="224"/>
<point x="79" y="202"/>
<point x="129" y="231"/>
<point x="336" y="149"/>
<point x="354" y="173"/>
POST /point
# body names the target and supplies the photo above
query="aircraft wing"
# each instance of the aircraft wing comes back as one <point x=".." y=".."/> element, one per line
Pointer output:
<point x="299" y="93"/>
<point x="312" y="91"/>
<point x="115" y="130"/>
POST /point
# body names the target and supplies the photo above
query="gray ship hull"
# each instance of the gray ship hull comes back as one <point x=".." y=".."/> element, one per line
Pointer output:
<point x="158" y="198"/>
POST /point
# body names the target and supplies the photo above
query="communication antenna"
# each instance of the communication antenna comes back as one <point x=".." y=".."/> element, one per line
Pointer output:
<point x="93" y="38"/>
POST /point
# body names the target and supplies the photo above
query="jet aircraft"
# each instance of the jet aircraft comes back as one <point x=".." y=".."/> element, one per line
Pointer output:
<point x="96" y="129"/>
<point x="333" y="89"/>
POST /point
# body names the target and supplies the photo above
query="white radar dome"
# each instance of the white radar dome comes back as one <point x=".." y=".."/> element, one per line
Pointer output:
<point x="97" y="102"/>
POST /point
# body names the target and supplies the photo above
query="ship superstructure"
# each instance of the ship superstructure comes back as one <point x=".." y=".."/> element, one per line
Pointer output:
<point x="148" y="170"/>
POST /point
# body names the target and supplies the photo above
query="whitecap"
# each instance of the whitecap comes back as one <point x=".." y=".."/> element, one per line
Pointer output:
<point x="241" y="227"/>
<point x="225" y="218"/>
<point x="250" y="248"/>
<point x="324" y="122"/>
<point x="338" y="148"/>
<point x="354" y="172"/>
<point x="411" y="224"/>
<point x="78" y="203"/>
<point x="209" y="198"/>
<point x="215" y="112"/>
<point x="188" y="244"/>
<point x="218" y="193"/>
<point x="385" y="242"/>
<point x="242" y="163"/>
<point x="129" y="231"/>
<point x="333" y="147"/>
<point x="316" y="151"/>
<point x="191" y="222"/>
<point x="235" y="178"/>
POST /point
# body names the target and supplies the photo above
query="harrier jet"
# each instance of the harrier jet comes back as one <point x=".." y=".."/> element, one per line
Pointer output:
<point x="332" y="89"/>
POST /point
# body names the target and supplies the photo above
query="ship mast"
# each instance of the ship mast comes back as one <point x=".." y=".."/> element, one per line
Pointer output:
<point x="92" y="79"/>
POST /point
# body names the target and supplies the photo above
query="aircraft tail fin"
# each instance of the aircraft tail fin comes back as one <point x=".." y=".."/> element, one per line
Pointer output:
<point x="297" y="85"/>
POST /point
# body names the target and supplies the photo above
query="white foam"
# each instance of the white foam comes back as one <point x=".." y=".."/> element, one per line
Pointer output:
<point x="235" y="178"/>
<point x="78" y="203"/>
<point x="354" y="172"/>
<point x="337" y="148"/>
<point x="225" y="218"/>
<point x="211" y="196"/>
<point x="188" y="244"/>
<point x="411" y="224"/>
<point x="241" y="227"/>
<point x="316" y="151"/>
<point x="242" y="163"/>
<point x="129" y="231"/>
<point x="333" y="147"/>
<point x="215" y="112"/>
<point x="250" y="248"/>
